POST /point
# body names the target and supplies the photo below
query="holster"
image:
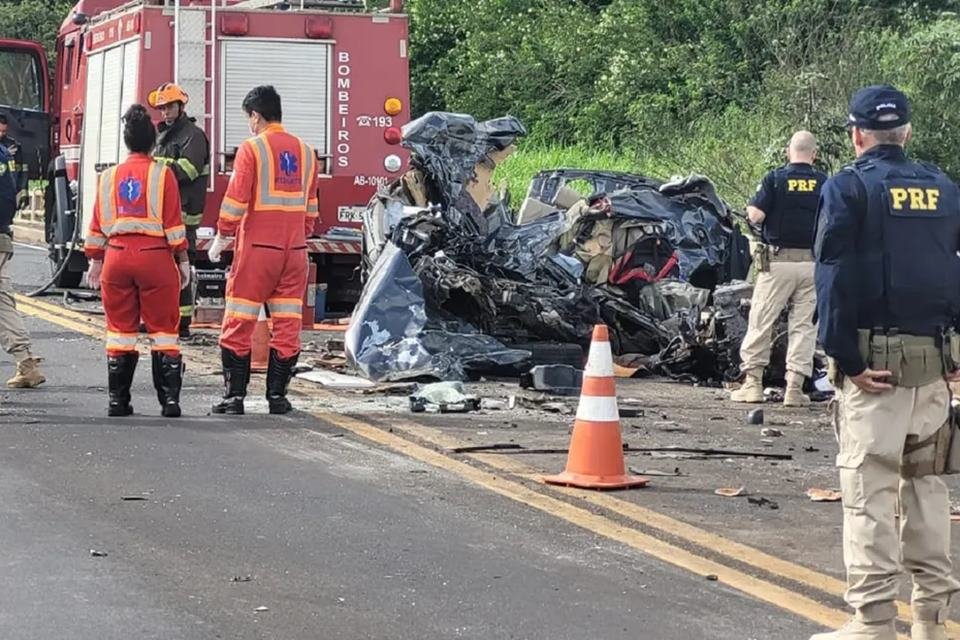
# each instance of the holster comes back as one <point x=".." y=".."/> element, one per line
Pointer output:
<point x="761" y="256"/>
<point x="945" y="459"/>
<point x="951" y="350"/>
<point x="6" y="243"/>
<point x="834" y="375"/>
<point x="952" y="458"/>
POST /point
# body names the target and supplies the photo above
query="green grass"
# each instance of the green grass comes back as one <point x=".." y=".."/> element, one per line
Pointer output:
<point x="734" y="173"/>
<point x="519" y="168"/>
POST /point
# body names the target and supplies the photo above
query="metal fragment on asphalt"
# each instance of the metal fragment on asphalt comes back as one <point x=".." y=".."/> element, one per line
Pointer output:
<point x="731" y="492"/>
<point x="824" y="495"/>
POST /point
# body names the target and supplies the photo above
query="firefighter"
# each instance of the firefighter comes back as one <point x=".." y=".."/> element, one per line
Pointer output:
<point x="270" y="207"/>
<point x="184" y="147"/>
<point x="137" y="247"/>
<point x="16" y="164"/>
<point x="13" y="333"/>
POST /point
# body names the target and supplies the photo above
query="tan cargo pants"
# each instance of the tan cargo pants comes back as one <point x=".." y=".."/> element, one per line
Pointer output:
<point x="14" y="338"/>
<point x="785" y="283"/>
<point x="872" y="429"/>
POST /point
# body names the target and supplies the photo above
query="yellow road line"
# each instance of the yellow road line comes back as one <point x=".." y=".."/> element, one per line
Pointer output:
<point x="29" y="307"/>
<point x="655" y="520"/>
<point x="755" y="587"/>
<point x="94" y="327"/>
<point x="56" y="310"/>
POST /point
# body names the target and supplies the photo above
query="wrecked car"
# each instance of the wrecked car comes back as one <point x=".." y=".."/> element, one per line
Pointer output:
<point x="446" y="261"/>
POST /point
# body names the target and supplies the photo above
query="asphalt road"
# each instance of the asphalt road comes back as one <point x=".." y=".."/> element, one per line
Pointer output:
<point x="290" y="528"/>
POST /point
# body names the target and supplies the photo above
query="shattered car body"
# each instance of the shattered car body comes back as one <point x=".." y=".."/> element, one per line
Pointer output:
<point x="445" y="257"/>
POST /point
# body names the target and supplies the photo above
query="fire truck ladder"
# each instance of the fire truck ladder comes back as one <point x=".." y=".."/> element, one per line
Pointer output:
<point x="195" y="62"/>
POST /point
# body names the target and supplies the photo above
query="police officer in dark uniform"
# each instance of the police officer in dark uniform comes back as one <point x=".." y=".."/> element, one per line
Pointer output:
<point x="888" y="284"/>
<point x="786" y="206"/>
<point x="15" y="164"/>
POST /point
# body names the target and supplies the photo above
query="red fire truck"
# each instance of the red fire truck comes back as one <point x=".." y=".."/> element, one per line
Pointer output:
<point x="341" y="70"/>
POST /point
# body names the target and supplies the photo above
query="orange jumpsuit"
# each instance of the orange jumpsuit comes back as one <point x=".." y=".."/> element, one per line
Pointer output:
<point x="136" y="229"/>
<point x="271" y="206"/>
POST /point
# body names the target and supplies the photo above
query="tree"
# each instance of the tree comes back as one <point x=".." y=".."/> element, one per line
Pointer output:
<point x="38" y="20"/>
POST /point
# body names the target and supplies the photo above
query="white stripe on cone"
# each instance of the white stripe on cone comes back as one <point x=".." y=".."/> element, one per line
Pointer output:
<point x="600" y="360"/>
<point x="598" y="409"/>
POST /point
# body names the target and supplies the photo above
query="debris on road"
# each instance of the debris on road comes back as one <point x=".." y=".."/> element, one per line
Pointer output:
<point x="98" y="554"/>
<point x="730" y="492"/>
<point x="395" y="389"/>
<point x="443" y="397"/>
<point x="655" y="452"/>
<point x="557" y="407"/>
<point x="714" y="452"/>
<point x="771" y="433"/>
<point x="333" y="380"/>
<point x="755" y="417"/>
<point x="556" y="379"/>
<point x="489" y="404"/>
<point x="824" y="495"/>
<point x="241" y="579"/>
<point x="773" y="394"/>
<point x="539" y="402"/>
<point x="676" y="473"/>
<point x="262" y="609"/>
<point x="631" y="408"/>
<point x="502" y="446"/>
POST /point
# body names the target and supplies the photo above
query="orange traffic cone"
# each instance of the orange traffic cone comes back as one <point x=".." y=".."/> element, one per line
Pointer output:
<point x="260" y="344"/>
<point x="595" y="460"/>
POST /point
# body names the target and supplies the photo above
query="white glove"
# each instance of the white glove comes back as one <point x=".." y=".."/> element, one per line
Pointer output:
<point x="184" y="275"/>
<point x="93" y="274"/>
<point x="216" y="247"/>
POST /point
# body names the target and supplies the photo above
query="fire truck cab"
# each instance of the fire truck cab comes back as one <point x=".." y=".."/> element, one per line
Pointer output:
<point x="341" y="71"/>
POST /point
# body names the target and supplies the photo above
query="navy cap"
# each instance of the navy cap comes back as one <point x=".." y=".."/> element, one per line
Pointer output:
<point x="879" y="107"/>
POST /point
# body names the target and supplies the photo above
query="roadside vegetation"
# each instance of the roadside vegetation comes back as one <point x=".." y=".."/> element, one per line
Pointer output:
<point x="708" y="86"/>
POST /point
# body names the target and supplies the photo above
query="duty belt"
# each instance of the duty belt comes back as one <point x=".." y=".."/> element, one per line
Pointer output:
<point x="790" y="255"/>
<point x="913" y="361"/>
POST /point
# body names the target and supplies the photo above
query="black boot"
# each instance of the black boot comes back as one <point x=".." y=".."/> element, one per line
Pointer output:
<point x="120" y="370"/>
<point x="167" y="380"/>
<point x="236" y="375"/>
<point x="279" y="373"/>
<point x="184" y="329"/>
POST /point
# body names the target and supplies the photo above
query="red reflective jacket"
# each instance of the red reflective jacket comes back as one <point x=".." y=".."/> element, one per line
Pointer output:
<point x="136" y="197"/>
<point x="272" y="195"/>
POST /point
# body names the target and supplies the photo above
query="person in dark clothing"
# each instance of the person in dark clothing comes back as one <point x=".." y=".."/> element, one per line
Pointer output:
<point x="785" y="205"/>
<point x="887" y="270"/>
<point x="16" y="165"/>
<point x="183" y="146"/>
